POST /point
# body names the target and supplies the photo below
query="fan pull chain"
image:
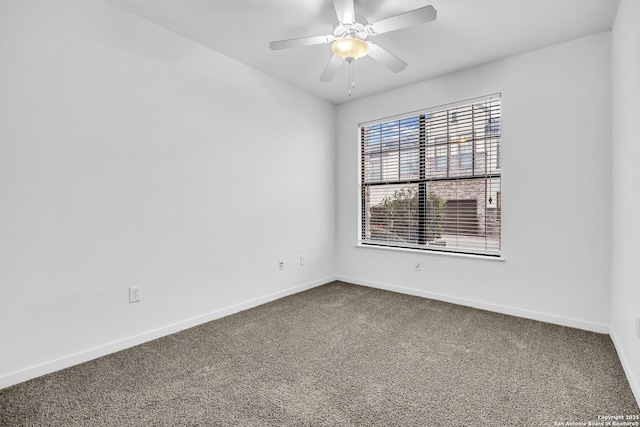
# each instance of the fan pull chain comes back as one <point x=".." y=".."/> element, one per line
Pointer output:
<point x="349" y="82"/>
<point x="352" y="75"/>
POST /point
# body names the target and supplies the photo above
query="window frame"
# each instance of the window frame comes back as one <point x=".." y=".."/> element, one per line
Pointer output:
<point x="426" y="144"/>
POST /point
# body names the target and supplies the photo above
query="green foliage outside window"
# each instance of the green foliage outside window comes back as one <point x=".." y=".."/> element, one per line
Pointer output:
<point x="396" y="218"/>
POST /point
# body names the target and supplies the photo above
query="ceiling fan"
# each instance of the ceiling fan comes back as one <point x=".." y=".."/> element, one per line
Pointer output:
<point x="350" y="35"/>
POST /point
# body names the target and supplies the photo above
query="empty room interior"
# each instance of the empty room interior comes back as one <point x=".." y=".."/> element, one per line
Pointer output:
<point x="439" y="227"/>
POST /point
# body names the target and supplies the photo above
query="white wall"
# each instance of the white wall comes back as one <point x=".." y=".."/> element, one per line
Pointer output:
<point x="625" y="292"/>
<point x="131" y="156"/>
<point x="555" y="194"/>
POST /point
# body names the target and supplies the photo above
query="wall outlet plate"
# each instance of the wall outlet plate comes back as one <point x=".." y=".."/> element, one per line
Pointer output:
<point x="281" y="265"/>
<point x="135" y="294"/>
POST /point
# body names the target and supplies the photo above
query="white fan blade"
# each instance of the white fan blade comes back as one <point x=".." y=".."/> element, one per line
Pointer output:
<point x="387" y="59"/>
<point x="369" y="7"/>
<point x="331" y="69"/>
<point x="404" y="20"/>
<point x="345" y="11"/>
<point x="303" y="41"/>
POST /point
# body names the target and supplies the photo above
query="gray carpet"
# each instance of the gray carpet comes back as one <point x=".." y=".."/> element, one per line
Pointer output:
<point x="340" y="355"/>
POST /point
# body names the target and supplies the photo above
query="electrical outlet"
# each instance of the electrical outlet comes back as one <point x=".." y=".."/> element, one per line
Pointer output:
<point x="301" y="259"/>
<point x="638" y="327"/>
<point x="281" y="264"/>
<point x="417" y="266"/>
<point x="134" y="294"/>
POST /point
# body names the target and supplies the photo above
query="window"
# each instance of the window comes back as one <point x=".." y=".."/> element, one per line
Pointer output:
<point x="431" y="180"/>
<point x="441" y="157"/>
<point x="465" y="156"/>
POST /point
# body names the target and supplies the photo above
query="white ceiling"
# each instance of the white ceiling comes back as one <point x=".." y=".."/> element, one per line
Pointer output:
<point x="466" y="33"/>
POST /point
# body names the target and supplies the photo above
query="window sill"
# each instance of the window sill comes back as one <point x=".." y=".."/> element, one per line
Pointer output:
<point x="500" y="258"/>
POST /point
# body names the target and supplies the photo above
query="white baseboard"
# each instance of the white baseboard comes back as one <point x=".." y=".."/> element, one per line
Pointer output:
<point x="543" y="317"/>
<point x="633" y="379"/>
<point x="103" y="350"/>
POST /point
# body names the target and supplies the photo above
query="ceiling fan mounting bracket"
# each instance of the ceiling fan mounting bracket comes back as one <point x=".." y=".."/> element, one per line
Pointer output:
<point x="360" y="29"/>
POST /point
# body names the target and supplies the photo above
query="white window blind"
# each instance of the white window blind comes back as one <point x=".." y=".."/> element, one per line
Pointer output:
<point x="432" y="180"/>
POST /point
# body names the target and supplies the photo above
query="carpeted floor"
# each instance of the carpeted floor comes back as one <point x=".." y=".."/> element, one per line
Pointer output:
<point x="340" y="355"/>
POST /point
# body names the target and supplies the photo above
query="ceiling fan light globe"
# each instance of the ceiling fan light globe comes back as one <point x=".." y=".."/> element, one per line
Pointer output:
<point x="350" y="48"/>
